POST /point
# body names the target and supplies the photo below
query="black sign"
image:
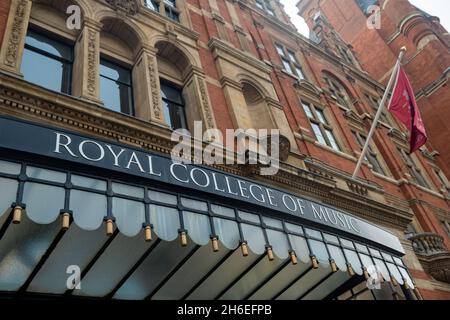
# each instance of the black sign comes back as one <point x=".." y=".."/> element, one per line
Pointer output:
<point x="56" y="143"/>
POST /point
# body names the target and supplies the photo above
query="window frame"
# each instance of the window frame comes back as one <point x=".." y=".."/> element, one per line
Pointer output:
<point x="129" y="69"/>
<point x="166" y="8"/>
<point x="324" y="126"/>
<point x="48" y="35"/>
<point x="288" y="57"/>
<point x="371" y="156"/>
<point x="184" y="121"/>
<point x="266" y="6"/>
<point x="341" y="94"/>
<point x="417" y="174"/>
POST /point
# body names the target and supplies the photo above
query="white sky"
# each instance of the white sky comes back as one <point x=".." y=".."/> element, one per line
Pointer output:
<point x="440" y="8"/>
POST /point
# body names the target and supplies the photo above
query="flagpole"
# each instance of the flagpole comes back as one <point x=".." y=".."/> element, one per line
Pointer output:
<point x="379" y="112"/>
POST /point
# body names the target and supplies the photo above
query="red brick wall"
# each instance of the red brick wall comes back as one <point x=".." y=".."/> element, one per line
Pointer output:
<point x="4" y="10"/>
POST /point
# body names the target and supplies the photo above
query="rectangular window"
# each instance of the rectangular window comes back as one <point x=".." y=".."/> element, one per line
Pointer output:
<point x="164" y="7"/>
<point x="290" y="62"/>
<point x="442" y="178"/>
<point x="321" y="128"/>
<point x="414" y="169"/>
<point x="116" y="89"/>
<point x="371" y="155"/>
<point x="47" y="62"/>
<point x="375" y="104"/>
<point x="266" y="6"/>
<point x="173" y="105"/>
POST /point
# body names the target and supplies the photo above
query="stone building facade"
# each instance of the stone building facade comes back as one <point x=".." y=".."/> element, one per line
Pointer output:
<point x="143" y="68"/>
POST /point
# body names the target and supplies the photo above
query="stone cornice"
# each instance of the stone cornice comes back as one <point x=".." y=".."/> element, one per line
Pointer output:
<point x="222" y="49"/>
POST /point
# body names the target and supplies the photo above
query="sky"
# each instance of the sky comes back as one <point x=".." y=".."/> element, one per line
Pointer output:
<point x="440" y="8"/>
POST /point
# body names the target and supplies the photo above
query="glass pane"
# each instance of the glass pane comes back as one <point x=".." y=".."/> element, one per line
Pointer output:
<point x="89" y="209"/>
<point x="194" y="204"/>
<point x="318" y="134"/>
<point x="319" y="250"/>
<point x="353" y="259"/>
<point x="45" y="71"/>
<point x="8" y="193"/>
<point x="279" y="242"/>
<point x="223" y="211"/>
<point x="110" y="94"/>
<point x="115" y="72"/>
<point x="300" y="73"/>
<point x="171" y="93"/>
<point x="294" y="228"/>
<point x="228" y="232"/>
<point x="347" y="243"/>
<point x="375" y="253"/>
<point x="300" y="247"/>
<point x="308" y="111"/>
<point x="332" y="140"/>
<point x="152" y="5"/>
<point x="360" y="247"/>
<point x="313" y="233"/>
<point x="162" y="197"/>
<point x="90" y="183"/>
<point x="394" y="272"/>
<point x="130" y="215"/>
<point x="321" y="116"/>
<point x="106" y="272"/>
<point x="292" y="56"/>
<point x="198" y="227"/>
<point x="9" y="167"/>
<point x="77" y="247"/>
<point x="338" y="256"/>
<point x="331" y="238"/>
<point x="249" y="217"/>
<point x="287" y="66"/>
<point x="166" y="222"/>
<point x="43" y="202"/>
<point x="21" y="248"/>
<point x="255" y="238"/>
<point x="279" y="50"/>
<point x="116" y="96"/>
<point x="128" y="190"/>
<point x="50" y="46"/>
<point x="274" y="223"/>
<point x="44" y="174"/>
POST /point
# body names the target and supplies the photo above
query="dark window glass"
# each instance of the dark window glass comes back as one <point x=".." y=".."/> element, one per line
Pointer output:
<point x="47" y="62"/>
<point x="173" y="104"/>
<point x="154" y="5"/>
<point x="116" y="87"/>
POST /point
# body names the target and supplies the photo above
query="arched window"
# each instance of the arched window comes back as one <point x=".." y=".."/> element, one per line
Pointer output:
<point x="48" y="55"/>
<point x="340" y="93"/>
<point x="118" y="44"/>
<point x="165" y="7"/>
<point x="174" y="67"/>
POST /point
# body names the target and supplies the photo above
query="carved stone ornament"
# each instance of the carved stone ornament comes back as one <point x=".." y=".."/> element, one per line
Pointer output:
<point x="16" y="34"/>
<point x="129" y="6"/>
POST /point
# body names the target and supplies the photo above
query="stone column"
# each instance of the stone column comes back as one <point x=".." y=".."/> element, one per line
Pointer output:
<point x="147" y="90"/>
<point x="86" y="71"/>
<point x="14" y="40"/>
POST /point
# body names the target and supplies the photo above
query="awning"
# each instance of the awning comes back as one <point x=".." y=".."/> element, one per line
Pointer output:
<point x="138" y="241"/>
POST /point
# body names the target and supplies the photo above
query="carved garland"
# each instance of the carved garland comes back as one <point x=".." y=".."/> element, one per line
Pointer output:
<point x="92" y="66"/>
<point x="16" y="34"/>
<point x="206" y="107"/>
<point x="154" y="87"/>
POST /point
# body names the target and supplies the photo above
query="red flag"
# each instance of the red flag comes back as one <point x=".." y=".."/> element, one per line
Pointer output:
<point x="404" y="107"/>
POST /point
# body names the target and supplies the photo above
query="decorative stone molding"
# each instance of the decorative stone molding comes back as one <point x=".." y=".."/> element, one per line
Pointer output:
<point x="357" y="188"/>
<point x="128" y="6"/>
<point x="206" y="107"/>
<point x="16" y="28"/>
<point x="154" y="88"/>
<point x="433" y="255"/>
